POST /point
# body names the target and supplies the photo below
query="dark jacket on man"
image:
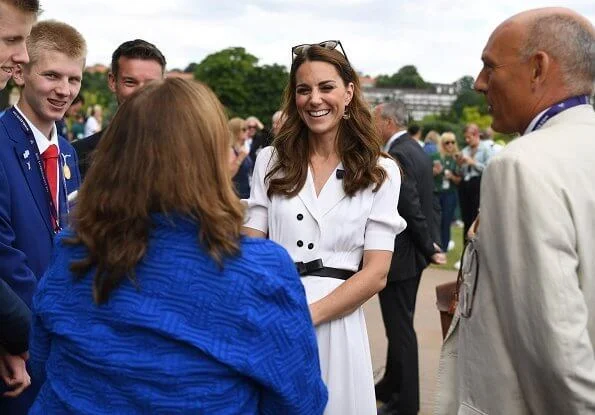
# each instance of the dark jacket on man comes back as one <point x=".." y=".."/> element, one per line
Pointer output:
<point x="84" y="149"/>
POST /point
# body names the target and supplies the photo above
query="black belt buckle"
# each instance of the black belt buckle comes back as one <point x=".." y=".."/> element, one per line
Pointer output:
<point x="306" y="268"/>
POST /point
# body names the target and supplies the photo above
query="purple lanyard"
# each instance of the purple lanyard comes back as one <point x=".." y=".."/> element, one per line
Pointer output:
<point x="44" y="180"/>
<point x="560" y="107"/>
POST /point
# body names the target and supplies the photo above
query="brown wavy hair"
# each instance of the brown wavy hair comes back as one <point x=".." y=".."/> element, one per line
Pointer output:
<point x="165" y="151"/>
<point x="358" y="142"/>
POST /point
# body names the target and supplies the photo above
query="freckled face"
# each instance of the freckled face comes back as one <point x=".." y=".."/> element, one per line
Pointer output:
<point x="321" y="97"/>
<point x="49" y="86"/>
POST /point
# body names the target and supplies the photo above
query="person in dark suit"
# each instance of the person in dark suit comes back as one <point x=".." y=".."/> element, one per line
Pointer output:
<point x="15" y="318"/>
<point x="414" y="250"/>
<point x="16" y="19"/>
<point x="38" y="170"/>
<point x="134" y="63"/>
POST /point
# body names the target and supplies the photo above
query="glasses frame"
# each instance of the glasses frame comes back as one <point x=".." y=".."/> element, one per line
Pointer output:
<point x="327" y="44"/>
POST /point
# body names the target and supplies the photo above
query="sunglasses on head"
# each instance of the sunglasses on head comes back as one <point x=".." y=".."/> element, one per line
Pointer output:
<point x="327" y="44"/>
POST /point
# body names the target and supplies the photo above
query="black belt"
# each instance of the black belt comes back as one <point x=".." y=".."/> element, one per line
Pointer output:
<point x="318" y="269"/>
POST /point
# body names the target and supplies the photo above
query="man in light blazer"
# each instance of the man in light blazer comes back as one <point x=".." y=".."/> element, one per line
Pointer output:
<point x="527" y="303"/>
<point x="414" y="250"/>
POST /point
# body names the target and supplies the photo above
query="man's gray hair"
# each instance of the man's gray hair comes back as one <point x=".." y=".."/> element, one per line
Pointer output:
<point x="570" y="43"/>
<point x="396" y="111"/>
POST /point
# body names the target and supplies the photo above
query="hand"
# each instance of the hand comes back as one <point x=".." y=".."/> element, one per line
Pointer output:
<point x="467" y="160"/>
<point x="313" y="314"/>
<point x="437" y="168"/>
<point x="448" y="174"/>
<point x="439" y="258"/>
<point x="234" y="162"/>
<point x="473" y="228"/>
<point x="13" y="373"/>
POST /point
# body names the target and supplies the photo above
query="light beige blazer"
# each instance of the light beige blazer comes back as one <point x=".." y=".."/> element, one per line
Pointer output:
<point x="527" y="347"/>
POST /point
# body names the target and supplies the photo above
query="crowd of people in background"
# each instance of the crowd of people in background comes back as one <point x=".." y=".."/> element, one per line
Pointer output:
<point x="177" y="260"/>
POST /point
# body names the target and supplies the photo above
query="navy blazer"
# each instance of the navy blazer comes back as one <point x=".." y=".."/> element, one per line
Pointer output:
<point x="26" y="234"/>
<point x="414" y="246"/>
<point x="15" y="320"/>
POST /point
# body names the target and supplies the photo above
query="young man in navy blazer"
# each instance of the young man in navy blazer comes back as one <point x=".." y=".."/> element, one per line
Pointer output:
<point x="38" y="168"/>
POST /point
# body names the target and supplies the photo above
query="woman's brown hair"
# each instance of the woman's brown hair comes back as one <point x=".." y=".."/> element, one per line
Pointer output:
<point x="358" y="143"/>
<point x="165" y="151"/>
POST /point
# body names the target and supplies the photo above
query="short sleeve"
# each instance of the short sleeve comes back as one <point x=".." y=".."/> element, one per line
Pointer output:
<point x="257" y="212"/>
<point x="384" y="221"/>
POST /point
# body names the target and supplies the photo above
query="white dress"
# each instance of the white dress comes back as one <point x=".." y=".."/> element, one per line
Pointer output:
<point x="337" y="229"/>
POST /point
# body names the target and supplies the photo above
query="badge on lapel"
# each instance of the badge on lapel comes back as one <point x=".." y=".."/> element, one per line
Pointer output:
<point x="65" y="168"/>
<point x="66" y="172"/>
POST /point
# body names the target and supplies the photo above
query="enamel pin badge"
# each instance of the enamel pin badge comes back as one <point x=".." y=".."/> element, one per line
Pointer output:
<point x="65" y="168"/>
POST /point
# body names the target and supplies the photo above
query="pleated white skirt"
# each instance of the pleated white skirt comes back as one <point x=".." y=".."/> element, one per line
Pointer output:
<point x="345" y="359"/>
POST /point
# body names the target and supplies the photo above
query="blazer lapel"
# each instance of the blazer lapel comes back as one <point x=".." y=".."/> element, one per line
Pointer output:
<point x="308" y="197"/>
<point x="25" y="153"/>
<point x="332" y="193"/>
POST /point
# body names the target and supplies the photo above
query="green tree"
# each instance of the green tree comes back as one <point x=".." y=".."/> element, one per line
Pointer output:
<point x="243" y="87"/>
<point x="226" y="73"/>
<point x="406" y="77"/>
<point x="384" y="81"/>
<point x="266" y="84"/>
<point x="94" y="90"/>
<point x="472" y="115"/>
<point x="191" y="67"/>
<point x="467" y="97"/>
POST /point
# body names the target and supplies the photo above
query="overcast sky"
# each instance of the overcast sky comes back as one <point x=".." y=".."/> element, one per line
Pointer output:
<point x="443" y="38"/>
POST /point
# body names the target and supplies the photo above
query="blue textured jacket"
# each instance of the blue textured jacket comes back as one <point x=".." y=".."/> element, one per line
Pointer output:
<point x="187" y="337"/>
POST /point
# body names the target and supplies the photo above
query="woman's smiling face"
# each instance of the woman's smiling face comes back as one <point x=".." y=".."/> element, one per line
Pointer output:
<point x="321" y="97"/>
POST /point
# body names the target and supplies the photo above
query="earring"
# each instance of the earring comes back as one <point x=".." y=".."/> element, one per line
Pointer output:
<point x="346" y="114"/>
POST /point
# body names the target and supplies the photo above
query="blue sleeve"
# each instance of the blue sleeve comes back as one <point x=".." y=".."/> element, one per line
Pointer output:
<point x="13" y="262"/>
<point x="15" y="319"/>
<point x="284" y="358"/>
<point x="39" y="346"/>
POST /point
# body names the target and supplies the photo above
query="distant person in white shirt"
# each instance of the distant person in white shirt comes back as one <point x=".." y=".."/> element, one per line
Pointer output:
<point x="93" y="123"/>
<point x="487" y="137"/>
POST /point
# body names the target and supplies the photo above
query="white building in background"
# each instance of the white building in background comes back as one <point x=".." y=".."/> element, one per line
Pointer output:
<point x="420" y="102"/>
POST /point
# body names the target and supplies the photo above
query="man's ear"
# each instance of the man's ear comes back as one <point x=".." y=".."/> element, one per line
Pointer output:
<point x="111" y="81"/>
<point x="17" y="75"/>
<point x="540" y="67"/>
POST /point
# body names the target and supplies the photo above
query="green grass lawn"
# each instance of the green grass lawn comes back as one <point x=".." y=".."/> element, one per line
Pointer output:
<point x="456" y="234"/>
